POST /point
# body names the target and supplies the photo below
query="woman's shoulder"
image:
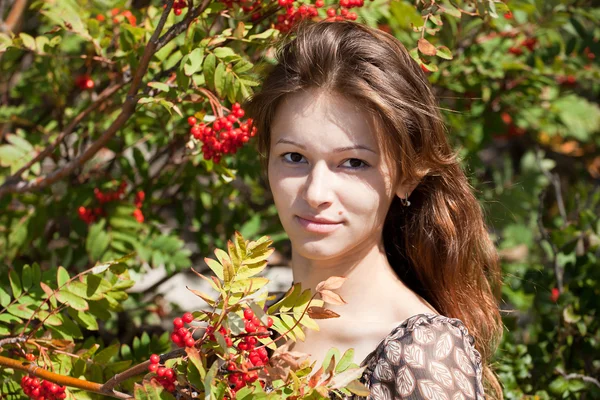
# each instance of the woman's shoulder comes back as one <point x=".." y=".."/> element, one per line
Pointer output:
<point x="425" y="356"/>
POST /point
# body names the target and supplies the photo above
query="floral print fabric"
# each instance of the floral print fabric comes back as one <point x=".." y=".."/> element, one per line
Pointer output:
<point x="428" y="357"/>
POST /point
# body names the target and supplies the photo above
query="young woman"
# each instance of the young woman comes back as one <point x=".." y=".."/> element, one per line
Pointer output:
<point x="367" y="187"/>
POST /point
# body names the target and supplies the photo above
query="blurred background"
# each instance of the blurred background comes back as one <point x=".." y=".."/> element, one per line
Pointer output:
<point x="86" y="176"/>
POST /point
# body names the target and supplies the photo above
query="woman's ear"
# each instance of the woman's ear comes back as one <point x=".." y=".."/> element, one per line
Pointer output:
<point x="406" y="187"/>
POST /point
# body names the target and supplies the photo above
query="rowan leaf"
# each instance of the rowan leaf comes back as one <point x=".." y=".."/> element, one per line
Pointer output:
<point x="72" y="300"/>
<point x="215" y="267"/>
<point x="426" y="47"/>
<point x="316" y="312"/>
<point x="15" y="283"/>
<point x="331" y="297"/>
<point x="331" y="283"/>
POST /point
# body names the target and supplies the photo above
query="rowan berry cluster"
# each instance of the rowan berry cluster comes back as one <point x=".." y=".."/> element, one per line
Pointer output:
<point x="178" y="6"/>
<point x="38" y="389"/>
<point x="181" y="335"/>
<point x="244" y="370"/>
<point x="165" y="376"/>
<point x="84" y="82"/>
<point x="528" y="43"/>
<point x="222" y="137"/>
<point x="286" y="22"/>
<point x="91" y="214"/>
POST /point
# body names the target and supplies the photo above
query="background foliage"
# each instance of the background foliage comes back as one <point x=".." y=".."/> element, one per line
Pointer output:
<point x="519" y="84"/>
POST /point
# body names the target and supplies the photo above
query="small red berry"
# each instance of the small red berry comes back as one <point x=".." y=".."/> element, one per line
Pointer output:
<point x="152" y="367"/>
<point x="192" y="121"/>
<point x="178" y="323"/>
<point x="269" y="322"/>
<point x="554" y="295"/>
<point x="248" y="314"/>
<point x="30" y="357"/>
<point x="190" y="342"/>
<point x="154" y="358"/>
<point x="187" y="317"/>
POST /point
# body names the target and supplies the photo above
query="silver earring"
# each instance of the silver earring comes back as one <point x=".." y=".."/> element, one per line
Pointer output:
<point x="404" y="201"/>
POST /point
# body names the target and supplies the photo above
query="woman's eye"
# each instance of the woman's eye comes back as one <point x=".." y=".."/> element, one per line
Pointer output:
<point x="354" y="163"/>
<point x="293" y="157"/>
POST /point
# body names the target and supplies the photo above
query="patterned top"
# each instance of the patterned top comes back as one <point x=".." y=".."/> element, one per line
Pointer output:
<point x="427" y="356"/>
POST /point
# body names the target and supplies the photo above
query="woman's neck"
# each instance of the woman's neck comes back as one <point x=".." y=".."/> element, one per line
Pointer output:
<point x="369" y="280"/>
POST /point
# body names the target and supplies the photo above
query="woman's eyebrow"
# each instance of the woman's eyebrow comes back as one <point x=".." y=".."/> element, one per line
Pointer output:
<point x="336" y="150"/>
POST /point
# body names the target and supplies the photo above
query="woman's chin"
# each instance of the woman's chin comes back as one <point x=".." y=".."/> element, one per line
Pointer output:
<point x="317" y="249"/>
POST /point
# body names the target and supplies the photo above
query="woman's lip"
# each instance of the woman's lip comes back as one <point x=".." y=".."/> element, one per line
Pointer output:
<point x="319" y="226"/>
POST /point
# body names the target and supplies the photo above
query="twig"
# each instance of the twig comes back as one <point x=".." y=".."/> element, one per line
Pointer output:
<point x="109" y="91"/>
<point x="181" y="26"/>
<point x="137" y="370"/>
<point x="14" y="16"/>
<point x="12" y="340"/>
<point x="584" y="378"/>
<point x="33" y="369"/>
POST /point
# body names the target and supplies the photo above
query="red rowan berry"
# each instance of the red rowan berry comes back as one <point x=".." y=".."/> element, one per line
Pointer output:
<point x="187" y="317"/>
<point x="154" y="358"/>
<point x="190" y="342"/>
<point x="178" y="323"/>
<point x="192" y="121"/>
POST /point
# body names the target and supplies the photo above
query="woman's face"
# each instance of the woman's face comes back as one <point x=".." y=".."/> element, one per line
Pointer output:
<point x="331" y="183"/>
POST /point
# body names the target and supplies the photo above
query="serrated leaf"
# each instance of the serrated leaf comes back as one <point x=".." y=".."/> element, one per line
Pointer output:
<point x="62" y="276"/>
<point x="194" y="61"/>
<point x="444" y="52"/>
<point x="215" y="267"/>
<point x="72" y="300"/>
<point x="15" y="283"/>
<point x="321" y="313"/>
<point x="26" y="277"/>
<point x="426" y="47"/>
<point x="20" y="310"/>
<point x="225" y="260"/>
<point x="4" y="297"/>
<point x="346" y="360"/>
<point x="163" y="87"/>
<point x="220" y="79"/>
<point x="344" y="378"/>
<point x="208" y="68"/>
<point x="225" y="52"/>
<point x="28" y="41"/>
<point x="253" y="284"/>
<point x="209" y="300"/>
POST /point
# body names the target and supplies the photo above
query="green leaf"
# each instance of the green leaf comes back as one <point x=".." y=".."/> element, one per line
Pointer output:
<point x="20" y="310"/>
<point x="220" y="79"/>
<point x="62" y="276"/>
<point x="26" y="277"/>
<point x="28" y="41"/>
<point x="15" y="283"/>
<point x="107" y="354"/>
<point x="242" y="66"/>
<point x="444" y="52"/>
<point x="72" y="300"/>
<point x="97" y="241"/>
<point x="4" y="297"/>
<point x="194" y="61"/>
<point x="163" y="87"/>
<point x="209" y="378"/>
<point x="346" y="360"/>
<point x="208" y="68"/>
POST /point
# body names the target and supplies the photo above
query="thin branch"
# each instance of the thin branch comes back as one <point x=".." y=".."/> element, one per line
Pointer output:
<point x="584" y="378"/>
<point x="108" y="92"/>
<point x="181" y="26"/>
<point x="14" y="16"/>
<point x="12" y="340"/>
<point x="62" y="380"/>
<point x="137" y="370"/>
<point x="127" y="111"/>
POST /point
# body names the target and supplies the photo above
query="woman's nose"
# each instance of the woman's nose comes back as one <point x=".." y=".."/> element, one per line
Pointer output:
<point x="318" y="190"/>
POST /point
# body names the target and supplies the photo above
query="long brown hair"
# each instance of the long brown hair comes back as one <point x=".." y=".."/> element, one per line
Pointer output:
<point x="439" y="246"/>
